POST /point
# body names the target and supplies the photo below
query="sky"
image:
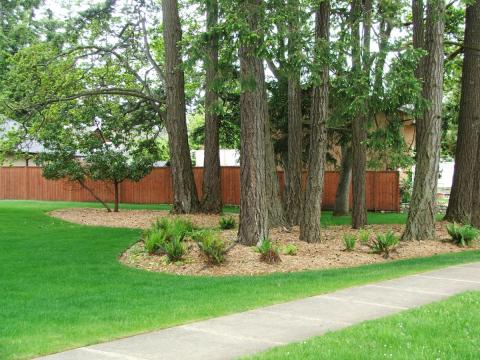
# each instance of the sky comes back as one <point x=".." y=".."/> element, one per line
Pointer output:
<point x="65" y="8"/>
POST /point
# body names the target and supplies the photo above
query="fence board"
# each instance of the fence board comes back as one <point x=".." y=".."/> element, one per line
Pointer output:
<point x="27" y="183"/>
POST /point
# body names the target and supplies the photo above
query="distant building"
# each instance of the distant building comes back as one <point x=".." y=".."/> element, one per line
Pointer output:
<point x="228" y="157"/>
<point x="407" y="130"/>
<point x="27" y="150"/>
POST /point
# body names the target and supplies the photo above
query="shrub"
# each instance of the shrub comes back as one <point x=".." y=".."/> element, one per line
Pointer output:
<point x="463" y="234"/>
<point x="384" y="244"/>
<point x="290" y="249"/>
<point x="268" y="252"/>
<point x="211" y="245"/>
<point x="227" y="222"/>
<point x="364" y="236"/>
<point x="349" y="240"/>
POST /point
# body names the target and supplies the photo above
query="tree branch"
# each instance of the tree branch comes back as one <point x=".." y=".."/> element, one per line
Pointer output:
<point x="146" y="49"/>
<point x="273" y="68"/>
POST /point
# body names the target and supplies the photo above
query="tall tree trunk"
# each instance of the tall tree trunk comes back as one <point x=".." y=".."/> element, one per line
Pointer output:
<point x="475" y="220"/>
<point x="460" y="203"/>
<point x="310" y="221"/>
<point x="421" y="217"/>
<point x="293" y="175"/>
<point x="211" y="202"/>
<point x="253" y="227"/>
<point x="185" y="199"/>
<point x="276" y="212"/>
<point x="359" y="170"/>
<point x="359" y="131"/>
<point x="116" y="196"/>
<point x="342" y="197"/>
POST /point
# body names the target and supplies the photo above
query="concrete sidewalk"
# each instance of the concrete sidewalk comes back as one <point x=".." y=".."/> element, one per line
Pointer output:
<point x="249" y="332"/>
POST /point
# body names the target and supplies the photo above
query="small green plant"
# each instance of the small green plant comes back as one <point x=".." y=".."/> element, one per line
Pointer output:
<point x="211" y="245"/>
<point x="179" y="226"/>
<point x="174" y="248"/>
<point x="463" y="235"/>
<point x="384" y="244"/>
<point x="166" y="237"/>
<point x="227" y="222"/>
<point x="153" y="240"/>
<point x="268" y="252"/>
<point x="161" y="224"/>
<point x="290" y="249"/>
<point x="350" y="241"/>
<point x="364" y="236"/>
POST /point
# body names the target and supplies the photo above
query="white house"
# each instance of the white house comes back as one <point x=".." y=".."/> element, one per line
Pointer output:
<point x="228" y="157"/>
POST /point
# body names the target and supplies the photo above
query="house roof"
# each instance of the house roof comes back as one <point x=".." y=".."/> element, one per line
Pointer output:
<point x="29" y="145"/>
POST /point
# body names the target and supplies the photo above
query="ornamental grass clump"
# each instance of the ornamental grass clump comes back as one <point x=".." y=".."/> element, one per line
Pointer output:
<point x="349" y="240"/>
<point x="290" y="249"/>
<point x="269" y="253"/>
<point x="211" y="245"/>
<point x="166" y="237"/>
<point x="227" y="222"/>
<point x="174" y="248"/>
<point x="463" y="235"/>
<point x="364" y="236"/>
<point x="153" y="238"/>
<point x="384" y="244"/>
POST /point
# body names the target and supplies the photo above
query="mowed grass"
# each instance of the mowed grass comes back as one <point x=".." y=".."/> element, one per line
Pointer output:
<point x="445" y="330"/>
<point x="62" y="286"/>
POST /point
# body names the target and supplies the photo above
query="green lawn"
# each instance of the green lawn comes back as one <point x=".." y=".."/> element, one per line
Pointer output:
<point x="445" y="330"/>
<point x="62" y="286"/>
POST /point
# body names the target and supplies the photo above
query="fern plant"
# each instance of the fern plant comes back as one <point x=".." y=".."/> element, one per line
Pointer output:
<point x="364" y="236"/>
<point x="463" y="235"/>
<point x="269" y="253"/>
<point x="211" y="245"/>
<point x="384" y="243"/>
<point x="290" y="249"/>
<point x="174" y="248"/>
<point x="227" y="222"/>
<point x="349" y="240"/>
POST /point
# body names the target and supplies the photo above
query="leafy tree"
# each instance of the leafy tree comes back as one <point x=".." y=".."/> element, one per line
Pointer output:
<point x="98" y="140"/>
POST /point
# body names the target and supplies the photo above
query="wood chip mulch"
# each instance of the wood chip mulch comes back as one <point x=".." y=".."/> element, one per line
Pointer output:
<point x="243" y="260"/>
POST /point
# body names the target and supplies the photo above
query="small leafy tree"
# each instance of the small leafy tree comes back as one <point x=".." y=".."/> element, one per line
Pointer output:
<point x="104" y="141"/>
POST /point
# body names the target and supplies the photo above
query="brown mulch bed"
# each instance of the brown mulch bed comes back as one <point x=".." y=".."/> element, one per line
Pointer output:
<point x="141" y="219"/>
<point x="243" y="260"/>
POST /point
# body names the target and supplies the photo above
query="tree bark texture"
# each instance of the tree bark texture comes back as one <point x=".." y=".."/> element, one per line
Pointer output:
<point x="460" y="202"/>
<point x="211" y="202"/>
<point x="293" y="175"/>
<point x="418" y="33"/>
<point x="359" y="128"/>
<point x="310" y="228"/>
<point x="475" y="219"/>
<point x="185" y="199"/>
<point x="342" y="197"/>
<point x="421" y="216"/>
<point x="276" y="212"/>
<point x="96" y="197"/>
<point x="116" y="192"/>
<point x="253" y="228"/>
<point x="359" y="171"/>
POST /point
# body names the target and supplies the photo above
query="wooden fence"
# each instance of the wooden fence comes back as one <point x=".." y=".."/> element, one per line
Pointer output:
<point x="27" y="183"/>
